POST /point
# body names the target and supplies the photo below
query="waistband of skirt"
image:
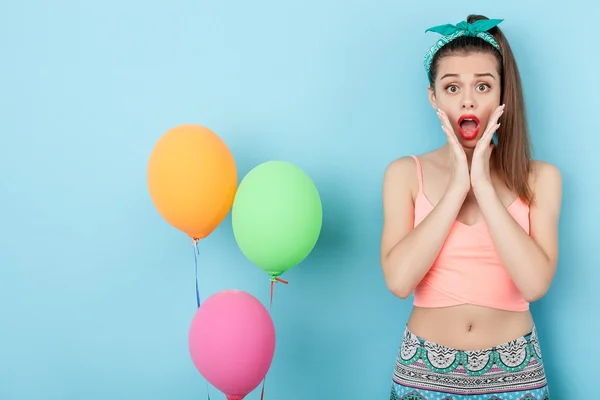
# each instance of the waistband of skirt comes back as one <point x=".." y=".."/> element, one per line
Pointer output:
<point x="522" y="340"/>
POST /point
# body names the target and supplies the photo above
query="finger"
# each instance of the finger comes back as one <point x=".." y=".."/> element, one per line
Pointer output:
<point x="492" y="126"/>
<point x="442" y="116"/>
<point x="483" y="145"/>
<point x="499" y="110"/>
<point x="447" y="126"/>
<point x="493" y="122"/>
<point x="452" y="140"/>
<point x="450" y="136"/>
<point x="488" y="151"/>
<point x="443" y="119"/>
<point x="447" y="121"/>
<point x="485" y="141"/>
<point x="489" y="133"/>
<point x="483" y="148"/>
<point x="496" y="116"/>
<point x="497" y="113"/>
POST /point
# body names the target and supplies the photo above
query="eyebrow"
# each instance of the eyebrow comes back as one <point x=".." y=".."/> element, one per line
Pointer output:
<point x="476" y="75"/>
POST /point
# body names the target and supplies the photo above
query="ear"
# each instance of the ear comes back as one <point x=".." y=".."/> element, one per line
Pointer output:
<point x="431" y="96"/>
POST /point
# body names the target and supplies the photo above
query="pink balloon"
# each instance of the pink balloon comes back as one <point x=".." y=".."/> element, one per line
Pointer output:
<point x="232" y="342"/>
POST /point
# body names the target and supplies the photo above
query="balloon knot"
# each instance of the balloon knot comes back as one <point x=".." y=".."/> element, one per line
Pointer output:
<point x="273" y="280"/>
<point x="277" y="279"/>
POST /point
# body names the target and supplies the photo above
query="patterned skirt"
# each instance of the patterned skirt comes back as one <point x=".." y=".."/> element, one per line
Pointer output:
<point x="430" y="371"/>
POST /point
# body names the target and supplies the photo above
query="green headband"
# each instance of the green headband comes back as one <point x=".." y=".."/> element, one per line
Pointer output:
<point x="450" y="32"/>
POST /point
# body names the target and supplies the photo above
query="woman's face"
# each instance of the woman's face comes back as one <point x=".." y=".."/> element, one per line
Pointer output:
<point x="467" y="89"/>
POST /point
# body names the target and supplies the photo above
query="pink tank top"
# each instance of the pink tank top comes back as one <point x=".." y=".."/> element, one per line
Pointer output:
<point x="468" y="269"/>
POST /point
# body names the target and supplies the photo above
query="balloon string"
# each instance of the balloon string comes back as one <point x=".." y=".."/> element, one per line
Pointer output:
<point x="273" y="279"/>
<point x="196" y="253"/>
<point x="262" y="392"/>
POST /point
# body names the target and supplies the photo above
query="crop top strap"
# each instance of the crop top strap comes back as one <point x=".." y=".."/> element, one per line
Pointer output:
<point x="419" y="172"/>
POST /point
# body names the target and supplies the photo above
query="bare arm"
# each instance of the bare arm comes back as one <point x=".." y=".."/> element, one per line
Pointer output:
<point x="407" y="253"/>
<point x="529" y="259"/>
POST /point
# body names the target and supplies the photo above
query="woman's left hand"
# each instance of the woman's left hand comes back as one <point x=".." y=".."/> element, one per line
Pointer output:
<point x="480" y="164"/>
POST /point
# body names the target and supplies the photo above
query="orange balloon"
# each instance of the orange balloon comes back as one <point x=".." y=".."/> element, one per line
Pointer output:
<point x="192" y="179"/>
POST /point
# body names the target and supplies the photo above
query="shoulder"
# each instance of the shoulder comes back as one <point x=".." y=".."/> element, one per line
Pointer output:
<point x="401" y="166"/>
<point x="544" y="174"/>
<point x="402" y="169"/>
<point x="546" y="184"/>
<point x="401" y="174"/>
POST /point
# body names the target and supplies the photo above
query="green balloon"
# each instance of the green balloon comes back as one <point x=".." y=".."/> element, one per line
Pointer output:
<point x="276" y="216"/>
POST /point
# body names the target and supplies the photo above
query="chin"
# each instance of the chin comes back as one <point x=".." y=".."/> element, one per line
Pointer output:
<point x="469" y="143"/>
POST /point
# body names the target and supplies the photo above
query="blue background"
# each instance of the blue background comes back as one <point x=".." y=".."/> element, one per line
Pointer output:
<point x="97" y="290"/>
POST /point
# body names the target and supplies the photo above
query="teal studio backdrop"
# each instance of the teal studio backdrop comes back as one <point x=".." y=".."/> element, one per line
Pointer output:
<point x="97" y="290"/>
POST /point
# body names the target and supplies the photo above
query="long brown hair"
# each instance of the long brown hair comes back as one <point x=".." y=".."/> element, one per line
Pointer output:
<point x="512" y="156"/>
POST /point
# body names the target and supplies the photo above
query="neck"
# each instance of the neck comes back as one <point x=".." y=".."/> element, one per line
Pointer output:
<point x="448" y="154"/>
<point x="469" y="153"/>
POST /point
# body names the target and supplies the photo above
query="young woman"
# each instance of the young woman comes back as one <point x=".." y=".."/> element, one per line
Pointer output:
<point x="471" y="228"/>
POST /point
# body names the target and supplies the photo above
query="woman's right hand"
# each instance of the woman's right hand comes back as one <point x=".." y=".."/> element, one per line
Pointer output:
<point x="460" y="179"/>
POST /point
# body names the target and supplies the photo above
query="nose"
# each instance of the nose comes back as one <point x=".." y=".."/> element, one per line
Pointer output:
<point x="468" y="103"/>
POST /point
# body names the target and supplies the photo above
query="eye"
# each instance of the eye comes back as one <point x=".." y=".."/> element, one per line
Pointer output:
<point x="451" y="88"/>
<point x="483" y="87"/>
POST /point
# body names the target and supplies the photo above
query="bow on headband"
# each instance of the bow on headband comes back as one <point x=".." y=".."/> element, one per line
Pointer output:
<point x="482" y="25"/>
<point x="450" y="32"/>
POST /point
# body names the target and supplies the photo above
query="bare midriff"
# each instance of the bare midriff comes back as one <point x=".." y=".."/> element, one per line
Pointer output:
<point x="469" y="327"/>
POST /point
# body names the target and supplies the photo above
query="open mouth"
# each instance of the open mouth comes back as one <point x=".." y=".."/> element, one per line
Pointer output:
<point x="468" y="126"/>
